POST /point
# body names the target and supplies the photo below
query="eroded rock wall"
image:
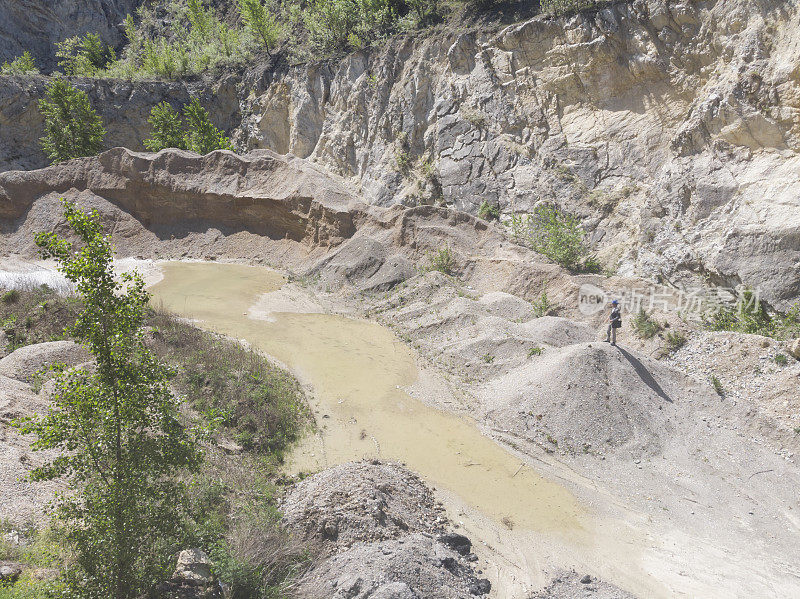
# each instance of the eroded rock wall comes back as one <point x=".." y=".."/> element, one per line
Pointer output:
<point x="672" y="128"/>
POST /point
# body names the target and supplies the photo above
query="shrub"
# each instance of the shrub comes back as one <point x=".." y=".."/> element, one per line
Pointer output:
<point x="72" y="127"/>
<point x="781" y="359"/>
<point x="21" y="65"/>
<point x="425" y="11"/>
<point x="489" y="211"/>
<point x="166" y="129"/>
<point x="560" y="7"/>
<point x="201" y="135"/>
<point x="84" y="56"/>
<point x="260" y="22"/>
<point x="717" y="384"/>
<point x="750" y="315"/>
<point x="442" y="260"/>
<point x="555" y="234"/>
<point x="645" y="326"/>
<point x="535" y="351"/>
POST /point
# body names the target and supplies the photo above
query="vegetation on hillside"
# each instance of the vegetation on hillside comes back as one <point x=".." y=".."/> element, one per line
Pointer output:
<point x="750" y="315"/>
<point x="21" y="65"/>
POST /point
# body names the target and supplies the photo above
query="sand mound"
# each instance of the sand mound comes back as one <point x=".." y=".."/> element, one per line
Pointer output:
<point x="20" y="500"/>
<point x="24" y="363"/>
<point x="414" y="567"/>
<point x="588" y="396"/>
<point x="362" y="501"/>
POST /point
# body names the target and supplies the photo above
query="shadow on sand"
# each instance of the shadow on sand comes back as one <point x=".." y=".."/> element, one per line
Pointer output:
<point x="645" y="375"/>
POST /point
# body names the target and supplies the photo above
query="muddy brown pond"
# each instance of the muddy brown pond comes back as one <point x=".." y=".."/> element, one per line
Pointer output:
<point x="358" y="371"/>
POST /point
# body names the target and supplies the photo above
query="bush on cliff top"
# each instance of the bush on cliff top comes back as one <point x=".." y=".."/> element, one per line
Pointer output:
<point x="21" y="65"/>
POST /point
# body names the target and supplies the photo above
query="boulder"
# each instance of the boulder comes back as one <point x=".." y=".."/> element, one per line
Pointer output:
<point x="794" y="348"/>
<point x="9" y="572"/>
<point x="193" y="566"/>
<point x="192" y="579"/>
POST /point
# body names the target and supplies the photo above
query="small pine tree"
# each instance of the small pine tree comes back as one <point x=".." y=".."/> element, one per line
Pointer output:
<point x="116" y="427"/>
<point x="72" y="127"/>
<point x="21" y="65"/>
<point x="201" y="135"/>
<point x="260" y="22"/>
<point x="167" y="129"/>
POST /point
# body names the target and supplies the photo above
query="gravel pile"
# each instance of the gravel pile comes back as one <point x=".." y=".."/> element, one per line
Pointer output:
<point x="360" y="502"/>
<point x="413" y="567"/>
<point x="571" y="585"/>
<point x="380" y="535"/>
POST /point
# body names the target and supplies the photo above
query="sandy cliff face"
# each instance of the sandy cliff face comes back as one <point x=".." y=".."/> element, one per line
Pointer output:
<point x="671" y="128"/>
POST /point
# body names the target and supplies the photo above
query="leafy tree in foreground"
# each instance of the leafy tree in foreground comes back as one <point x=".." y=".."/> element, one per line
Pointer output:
<point x="167" y="129"/>
<point x="201" y="134"/>
<point x="116" y="428"/>
<point x="72" y="127"/>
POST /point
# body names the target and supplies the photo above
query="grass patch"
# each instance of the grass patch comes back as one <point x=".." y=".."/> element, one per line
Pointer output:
<point x="675" y="341"/>
<point x="35" y="316"/>
<point x="260" y="405"/>
<point x="535" y="351"/>
<point x="781" y="359"/>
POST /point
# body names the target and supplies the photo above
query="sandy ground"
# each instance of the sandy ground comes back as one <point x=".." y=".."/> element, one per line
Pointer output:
<point x="694" y="504"/>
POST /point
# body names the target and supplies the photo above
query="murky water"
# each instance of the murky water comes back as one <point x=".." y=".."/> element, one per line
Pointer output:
<point x="358" y="370"/>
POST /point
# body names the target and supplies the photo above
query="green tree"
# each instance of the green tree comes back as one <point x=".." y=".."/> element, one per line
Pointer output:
<point x="201" y="135"/>
<point x="21" y="65"/>
<point x="84" y="56"/>
<point x="116" y="429"/>
<point x="167" y="129"/>
<point x="260" y="22"/>
<point x="72" y="127"/>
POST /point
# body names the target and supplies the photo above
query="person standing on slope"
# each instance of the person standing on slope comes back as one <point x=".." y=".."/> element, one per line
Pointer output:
<point x="615" y="322"/>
